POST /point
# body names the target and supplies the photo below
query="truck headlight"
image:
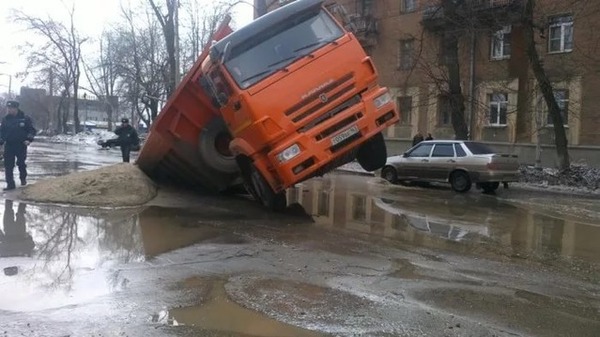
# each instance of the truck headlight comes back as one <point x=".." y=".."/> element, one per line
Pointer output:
<point x="382" y="100"/>
<point x="289" y="153"/>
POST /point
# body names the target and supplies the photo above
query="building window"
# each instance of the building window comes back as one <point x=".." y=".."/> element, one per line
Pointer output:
<point x="561" y="34"/>
<point x="501" y="44"/>
<point x="498" y="108"/>
<point x="562" y="99"/>
<point x="404" y="104"/>
<point x="405" y="59"/>
<point x="408" y="6"/>
<point x="444" y="110"/>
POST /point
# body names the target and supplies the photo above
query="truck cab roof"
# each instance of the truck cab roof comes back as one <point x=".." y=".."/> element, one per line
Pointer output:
<point x="262" y="24"/>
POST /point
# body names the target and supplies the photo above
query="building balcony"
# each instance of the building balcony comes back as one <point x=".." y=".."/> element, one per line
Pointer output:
<point x="475" y="13"/>
<point x="364" y="27"/>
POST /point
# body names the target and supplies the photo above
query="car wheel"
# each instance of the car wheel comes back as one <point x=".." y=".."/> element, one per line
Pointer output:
<point x="460" y="181"/>
<point x="262" y="191"/>
<point x="372" y="155"/>
<point x="490" y="187"/>
<point x="389" y="173"/>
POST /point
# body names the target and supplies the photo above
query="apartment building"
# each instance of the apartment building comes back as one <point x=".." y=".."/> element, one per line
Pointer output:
<point x="503" y="103"/>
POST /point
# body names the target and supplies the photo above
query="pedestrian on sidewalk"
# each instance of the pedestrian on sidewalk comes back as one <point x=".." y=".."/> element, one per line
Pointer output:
<point x="128" y="137"/>
<point x="16" y="133"/>
<point x="417" y="138"/>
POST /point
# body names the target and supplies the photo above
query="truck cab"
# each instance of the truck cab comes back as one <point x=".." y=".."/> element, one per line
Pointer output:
<point x="298" y="97"/>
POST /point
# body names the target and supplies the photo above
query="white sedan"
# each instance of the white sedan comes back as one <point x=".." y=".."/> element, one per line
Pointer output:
<point x="460" y="163"/>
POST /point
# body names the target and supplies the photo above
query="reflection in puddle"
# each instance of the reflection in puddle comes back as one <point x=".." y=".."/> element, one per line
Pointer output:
<point x="58" y="256"/>
<point x="435" y="219"/>
<point x="219" y="313"/>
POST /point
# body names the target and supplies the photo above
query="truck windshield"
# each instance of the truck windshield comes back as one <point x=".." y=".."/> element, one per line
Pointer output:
<point x="274" y="49"/>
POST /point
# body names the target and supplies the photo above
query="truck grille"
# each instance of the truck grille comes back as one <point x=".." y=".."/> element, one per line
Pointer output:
<point x="331" y="91"/>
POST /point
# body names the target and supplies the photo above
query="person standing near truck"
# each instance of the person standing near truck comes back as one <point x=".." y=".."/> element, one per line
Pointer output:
<point x="16" y="133"/>
<point x="128" y="137"/>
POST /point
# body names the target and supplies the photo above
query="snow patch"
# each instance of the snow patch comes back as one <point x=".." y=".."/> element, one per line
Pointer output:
<point x="83" y="138"/>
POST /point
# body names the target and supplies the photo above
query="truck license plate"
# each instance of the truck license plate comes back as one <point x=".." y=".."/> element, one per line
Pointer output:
<point x="342" y="136"/>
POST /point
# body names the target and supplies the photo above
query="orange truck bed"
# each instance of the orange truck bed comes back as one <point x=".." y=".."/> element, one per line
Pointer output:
<point x="171" y="149"/>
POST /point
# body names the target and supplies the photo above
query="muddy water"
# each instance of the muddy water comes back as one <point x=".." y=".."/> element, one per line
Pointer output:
<point x="219" y="313"/>
<point x="56" y="256"/>
<point x="540" y="225"/>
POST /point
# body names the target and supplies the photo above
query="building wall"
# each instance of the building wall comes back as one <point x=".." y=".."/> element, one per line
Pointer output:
<point x="575" y="71"/>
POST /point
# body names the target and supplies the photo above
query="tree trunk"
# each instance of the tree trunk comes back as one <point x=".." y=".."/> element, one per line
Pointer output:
<point x="546" y="88"/>
<point x="451" y="61"/>
<point x="76" y="121"/>
<point x="457" y="100"/>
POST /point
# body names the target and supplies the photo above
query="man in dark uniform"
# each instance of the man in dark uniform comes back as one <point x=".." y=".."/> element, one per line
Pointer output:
<point x="127" y="138"/>
<point x="16" y="132"/>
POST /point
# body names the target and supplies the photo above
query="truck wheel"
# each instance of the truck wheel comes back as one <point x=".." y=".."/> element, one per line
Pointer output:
<point x="372" y="155"/>
<point x="460" y="181"/>
<point x="261" y="190"/>
<point x="213" y="147"/>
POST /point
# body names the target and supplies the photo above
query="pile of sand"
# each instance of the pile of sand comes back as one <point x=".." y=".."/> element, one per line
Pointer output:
<point x="117" y="185"/>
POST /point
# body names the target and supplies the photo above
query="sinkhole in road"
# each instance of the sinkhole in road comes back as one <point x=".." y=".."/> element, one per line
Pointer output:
<point x="219" y="313"/>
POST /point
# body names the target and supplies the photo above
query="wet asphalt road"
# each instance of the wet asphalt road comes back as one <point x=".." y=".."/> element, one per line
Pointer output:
<point x="353" y="256"/>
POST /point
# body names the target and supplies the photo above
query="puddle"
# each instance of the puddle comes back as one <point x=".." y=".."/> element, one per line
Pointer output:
<point x="56" y="256"/>
<point x="442" y="219"/>
<point x="219" y="313"/>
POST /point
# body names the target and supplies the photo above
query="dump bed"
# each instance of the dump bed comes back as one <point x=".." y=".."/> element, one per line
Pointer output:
<point x="171" y="151"/>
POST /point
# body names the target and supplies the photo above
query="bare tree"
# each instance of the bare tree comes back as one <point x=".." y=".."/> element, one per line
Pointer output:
<point x="169" y="23"/>
<point x="199" y="23"/>
<point x="143" y="64"/>
<point x="554" y="111"/>
<point x="61" y="50"/>
<point x="102" y="75"/>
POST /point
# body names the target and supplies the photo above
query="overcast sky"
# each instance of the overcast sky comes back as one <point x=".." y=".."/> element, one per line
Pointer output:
<point x="91" y="15"/>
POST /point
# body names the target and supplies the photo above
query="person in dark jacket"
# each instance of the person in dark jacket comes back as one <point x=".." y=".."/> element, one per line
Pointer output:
<point x="417" y="138"/>
<point x="16" y="133"/>
<point x="128" y="137"/>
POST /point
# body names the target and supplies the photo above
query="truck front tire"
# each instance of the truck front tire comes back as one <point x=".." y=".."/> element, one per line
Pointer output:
<point x="261" y="190"/>
<point x="372" y="155"/>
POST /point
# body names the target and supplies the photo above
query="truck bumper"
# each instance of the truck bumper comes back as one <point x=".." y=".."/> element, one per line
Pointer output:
<point x="331" y="141"/>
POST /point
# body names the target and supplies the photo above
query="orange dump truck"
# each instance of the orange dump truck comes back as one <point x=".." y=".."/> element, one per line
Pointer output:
<point x="286" y="98"/>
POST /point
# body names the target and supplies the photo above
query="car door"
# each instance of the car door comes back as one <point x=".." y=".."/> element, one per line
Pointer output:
<point x="415" y="163"/>
<point x="442" y="161"/>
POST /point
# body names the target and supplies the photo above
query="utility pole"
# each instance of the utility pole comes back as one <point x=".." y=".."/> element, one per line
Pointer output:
<point x="176" y="42"/>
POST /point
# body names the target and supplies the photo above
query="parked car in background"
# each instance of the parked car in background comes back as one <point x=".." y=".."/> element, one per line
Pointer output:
<point x="114" y="142"/>
<point x="460" y="163"/>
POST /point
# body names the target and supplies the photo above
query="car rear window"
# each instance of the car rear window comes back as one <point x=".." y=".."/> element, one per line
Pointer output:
<point x="443" y="150"/>
<point x="460" y="152"/>
<point x="478" y="148"/>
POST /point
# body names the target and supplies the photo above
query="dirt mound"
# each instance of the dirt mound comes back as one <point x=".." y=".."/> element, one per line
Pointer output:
<point x="116" y="185"/>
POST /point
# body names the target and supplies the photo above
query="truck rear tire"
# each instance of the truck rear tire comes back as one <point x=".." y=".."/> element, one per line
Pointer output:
<point x="213" y="147"/>
<point x="372" y="155"/>
<point x="261" y="190"/>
